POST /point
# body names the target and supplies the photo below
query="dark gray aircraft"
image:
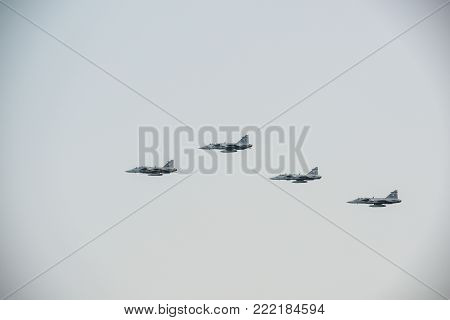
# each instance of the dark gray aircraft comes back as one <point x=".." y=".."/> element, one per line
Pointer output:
<point x="155" y="171"/>
<point x="378" y="202"/>
<point x="229" y="147"/>
<point x="299" y="178"/>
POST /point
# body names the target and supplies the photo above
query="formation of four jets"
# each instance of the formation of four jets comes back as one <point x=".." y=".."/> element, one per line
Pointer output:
<point x="243" y="144"/>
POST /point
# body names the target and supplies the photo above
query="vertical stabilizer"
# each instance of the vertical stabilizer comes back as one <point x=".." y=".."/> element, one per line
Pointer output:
<point x="314" y="172"/>
<point x="393" y="195"/>
<point x="169" y="164"/>
<point x="243" y="141"/>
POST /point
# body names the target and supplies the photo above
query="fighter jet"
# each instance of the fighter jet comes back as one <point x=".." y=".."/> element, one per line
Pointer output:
<point x="378" y="202"/>
<point x="229" y="147"/>
<point x="299" y="178"/>
<point x="155" y="171"/>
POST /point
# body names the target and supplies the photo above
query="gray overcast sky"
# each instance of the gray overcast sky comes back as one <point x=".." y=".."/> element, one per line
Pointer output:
<point x="68" y="132"/>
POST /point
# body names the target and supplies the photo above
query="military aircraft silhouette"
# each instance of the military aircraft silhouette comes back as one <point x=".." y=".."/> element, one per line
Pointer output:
<point x="299" y="178"/>
<point x="378" y="202"/>
<point x="229" y="147"/>
<point x="155" y="171"/>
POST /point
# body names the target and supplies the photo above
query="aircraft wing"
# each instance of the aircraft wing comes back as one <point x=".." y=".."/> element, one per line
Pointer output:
<point x="230" y="146"/>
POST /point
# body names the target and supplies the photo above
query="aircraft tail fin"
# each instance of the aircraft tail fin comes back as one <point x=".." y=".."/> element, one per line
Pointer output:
<point x="393" y="195"/>
<point x="243" y="141"/>
<point x="169" y="164"/>
<point x="314" y="172"/>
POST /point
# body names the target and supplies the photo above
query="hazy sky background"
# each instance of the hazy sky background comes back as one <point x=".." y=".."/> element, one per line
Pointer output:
<point x="68" y="132"/>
